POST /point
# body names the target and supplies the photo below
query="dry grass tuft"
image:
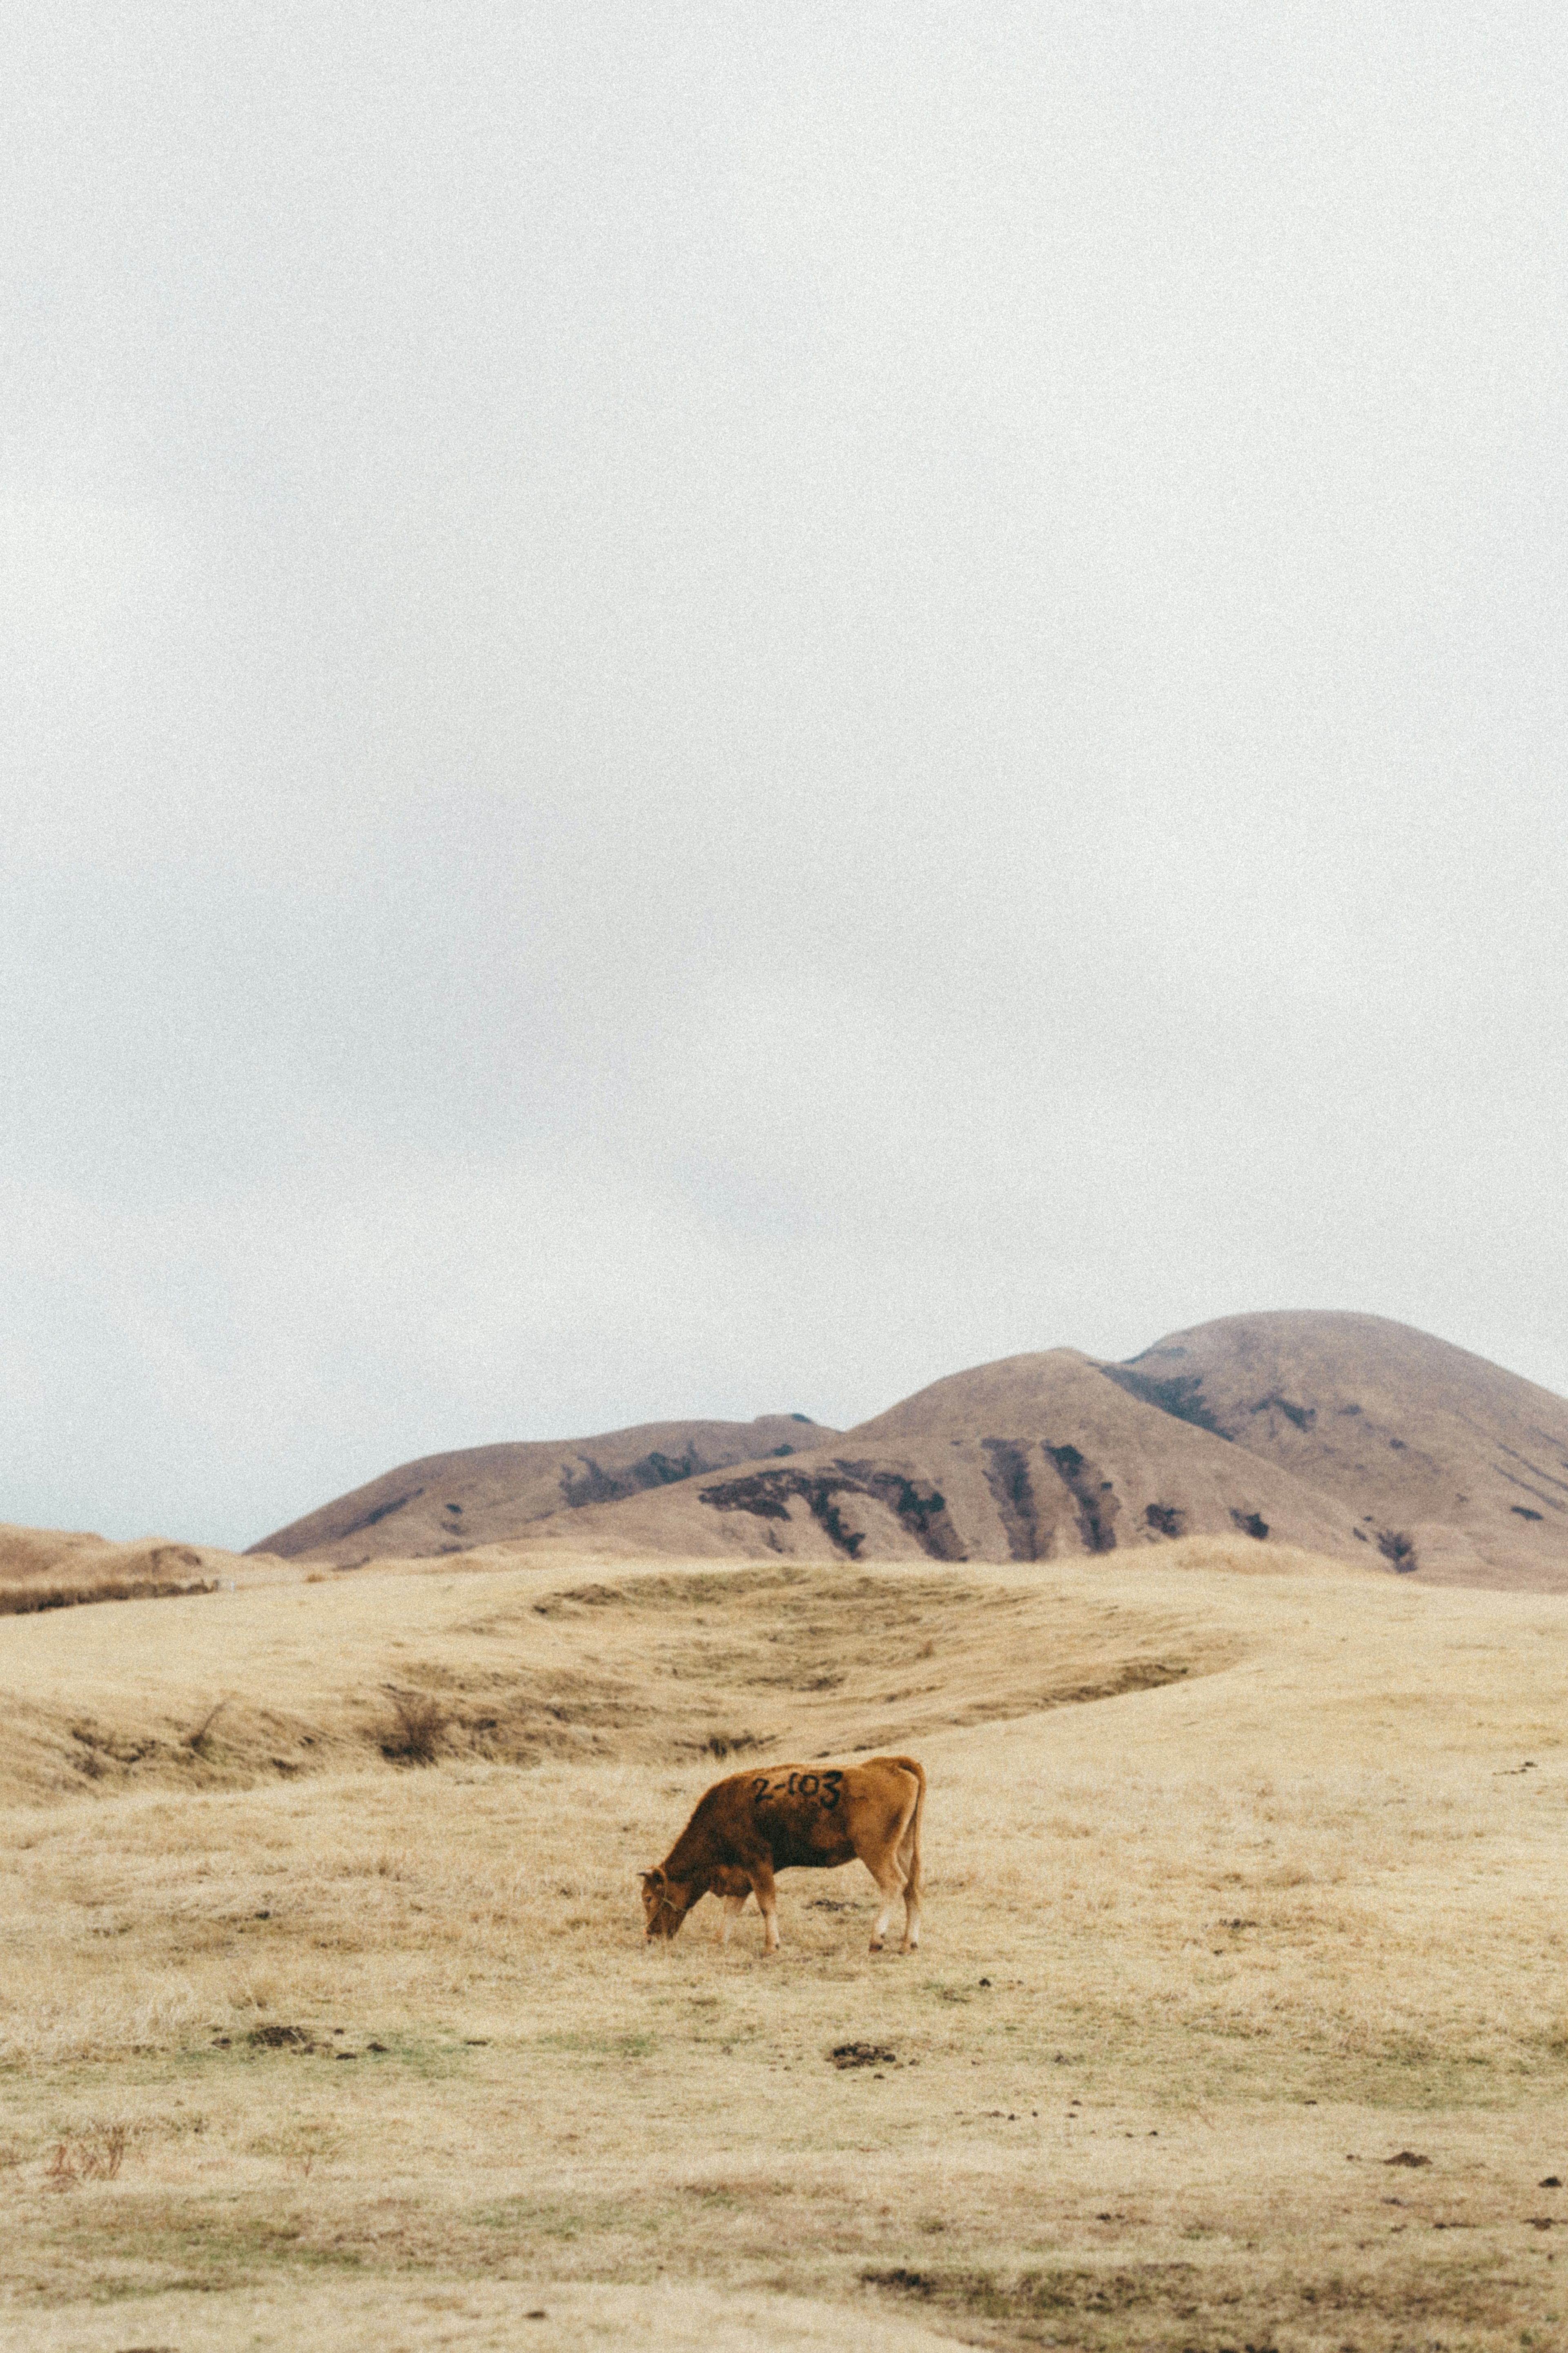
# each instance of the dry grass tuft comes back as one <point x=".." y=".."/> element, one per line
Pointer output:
<point x="95" y="2153"/>
<point x="417" y="1727"/>
<point x="197" y="1740"/>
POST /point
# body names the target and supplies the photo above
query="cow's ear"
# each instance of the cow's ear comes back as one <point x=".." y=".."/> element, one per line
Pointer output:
<point x="654" y="1878"/>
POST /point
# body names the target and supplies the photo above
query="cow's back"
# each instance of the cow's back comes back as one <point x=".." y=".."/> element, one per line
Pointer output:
<point x="799" y="1816"/>
<point x="814" y="1815"/>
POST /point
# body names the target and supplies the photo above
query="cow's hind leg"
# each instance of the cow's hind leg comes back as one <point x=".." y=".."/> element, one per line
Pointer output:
<point x="910" y="1862"/>
<point x="889" y="1878"/>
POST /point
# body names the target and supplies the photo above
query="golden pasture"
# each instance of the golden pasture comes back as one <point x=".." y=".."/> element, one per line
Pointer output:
<point x="1240" y="1886"/>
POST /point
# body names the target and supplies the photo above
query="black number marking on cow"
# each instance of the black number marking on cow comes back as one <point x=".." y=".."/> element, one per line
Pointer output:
<point x="823" y="1786"/>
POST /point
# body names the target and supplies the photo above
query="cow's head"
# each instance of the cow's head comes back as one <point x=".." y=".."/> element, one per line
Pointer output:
<point x="665" y="1903"/>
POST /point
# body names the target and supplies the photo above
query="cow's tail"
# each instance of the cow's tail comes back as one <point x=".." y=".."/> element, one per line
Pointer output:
<point x="912" y="1835"/>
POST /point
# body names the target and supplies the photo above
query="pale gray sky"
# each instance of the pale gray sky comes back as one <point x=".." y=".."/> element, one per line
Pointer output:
<point x="711" y="708"/>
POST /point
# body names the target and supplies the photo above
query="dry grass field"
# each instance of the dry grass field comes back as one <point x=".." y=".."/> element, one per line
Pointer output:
<point x="1240" y="2022"/>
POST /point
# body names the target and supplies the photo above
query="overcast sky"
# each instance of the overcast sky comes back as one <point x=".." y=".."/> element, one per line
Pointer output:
<point x="712" y="708"/>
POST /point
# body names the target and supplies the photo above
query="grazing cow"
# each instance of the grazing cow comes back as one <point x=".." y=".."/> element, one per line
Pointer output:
<point x="793" y="1818"/>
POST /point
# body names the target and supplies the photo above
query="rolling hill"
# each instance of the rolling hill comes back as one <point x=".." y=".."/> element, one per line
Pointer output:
<point x="42" y="1568"/>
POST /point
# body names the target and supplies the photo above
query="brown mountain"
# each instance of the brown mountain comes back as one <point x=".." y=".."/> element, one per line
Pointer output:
<point x="483" y="1494"/>
<point x="1037" y="1458"/>
<point x="1420" y="1440"/>
<point x="1341" y="1434"/>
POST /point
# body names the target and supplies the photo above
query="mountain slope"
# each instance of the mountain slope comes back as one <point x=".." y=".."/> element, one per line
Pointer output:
<point x="1466" y="1462"/>
<point x="482" y="1495"/>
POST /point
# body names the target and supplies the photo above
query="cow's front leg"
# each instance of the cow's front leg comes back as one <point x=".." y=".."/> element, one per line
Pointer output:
<point x="762" y="1888"/>
<point x="733" y="1907"/>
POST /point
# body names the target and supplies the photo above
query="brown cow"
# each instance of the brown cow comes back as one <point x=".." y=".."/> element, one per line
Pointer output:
<point x="792" y="1818"/>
